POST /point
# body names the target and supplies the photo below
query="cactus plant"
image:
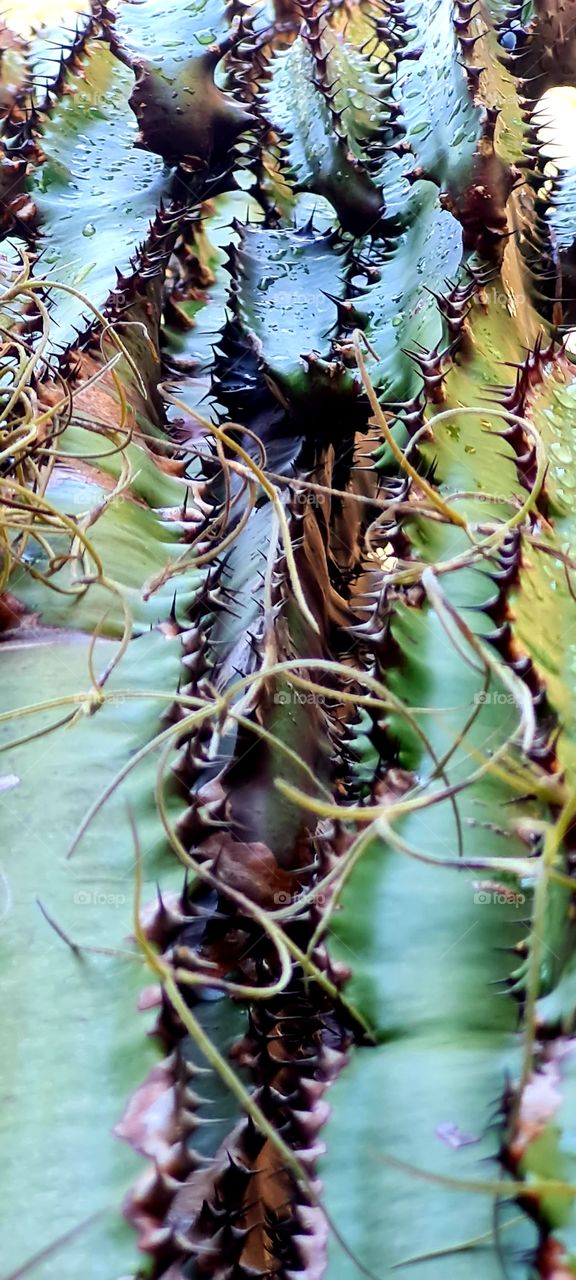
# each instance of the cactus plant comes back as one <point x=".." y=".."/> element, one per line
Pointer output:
<point x="286" y="613"/>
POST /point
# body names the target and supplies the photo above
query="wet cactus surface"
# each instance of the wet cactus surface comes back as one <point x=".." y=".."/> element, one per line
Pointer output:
<point x="287" y="637"/>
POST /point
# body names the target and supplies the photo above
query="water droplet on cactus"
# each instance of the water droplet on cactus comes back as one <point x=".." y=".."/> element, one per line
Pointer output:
<point x="561" y="451"/>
